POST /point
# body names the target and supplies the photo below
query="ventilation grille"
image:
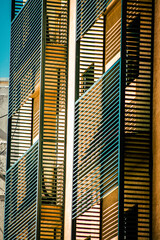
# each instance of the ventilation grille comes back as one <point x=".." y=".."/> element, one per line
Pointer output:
<point x="25" y="54"/>
<point x="21" y="197"/>
<point x="96" y="141"/>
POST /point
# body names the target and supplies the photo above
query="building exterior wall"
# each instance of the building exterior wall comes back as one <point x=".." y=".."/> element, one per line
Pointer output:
<point x="156" y="124"/>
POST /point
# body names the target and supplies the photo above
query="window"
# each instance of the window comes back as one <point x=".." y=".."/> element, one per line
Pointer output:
<point x="133" y="42"/>
<point x="88" y="78"/>
<point x="131" y="223"/>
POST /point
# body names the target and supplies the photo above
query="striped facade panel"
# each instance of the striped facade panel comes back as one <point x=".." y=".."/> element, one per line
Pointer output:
<point x="110" y="221"/>
<point x="88" y="11"/>
<point x="88" y="224"/>
<point x="96" y="144"/>
<point x="91" y="56"/>
<point x="112" y="33"/>
<point x="21" y="131"/>
<point x="21" y="197"/>
<point x="137" y="121"/>
<point x="54" y="120"/>
<point x="25" y="55"/>
<point x="17" y="6"/>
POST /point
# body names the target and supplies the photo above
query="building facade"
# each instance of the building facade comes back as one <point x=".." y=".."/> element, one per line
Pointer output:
<point x="37" y="120"/>
<point x="101" y="59"/>
<point x="112" y="170"/>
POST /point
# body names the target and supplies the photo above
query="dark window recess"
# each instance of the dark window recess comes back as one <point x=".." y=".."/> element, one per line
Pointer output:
<point x="88" y="78"/>
<point x="131" y="223"/>
<point x="132" y="50"/>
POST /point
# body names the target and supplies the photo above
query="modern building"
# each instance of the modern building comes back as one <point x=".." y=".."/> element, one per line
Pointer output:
<point x="103" y="61"/>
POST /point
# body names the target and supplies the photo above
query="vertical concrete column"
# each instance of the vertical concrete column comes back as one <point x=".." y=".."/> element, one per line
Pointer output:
<point x="156" y="125"/>
<point x="70" y="121"/>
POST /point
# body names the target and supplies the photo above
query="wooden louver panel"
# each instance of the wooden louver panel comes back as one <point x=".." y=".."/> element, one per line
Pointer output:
<point x="138" y="108"/>
<point x="54" y="120"/>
